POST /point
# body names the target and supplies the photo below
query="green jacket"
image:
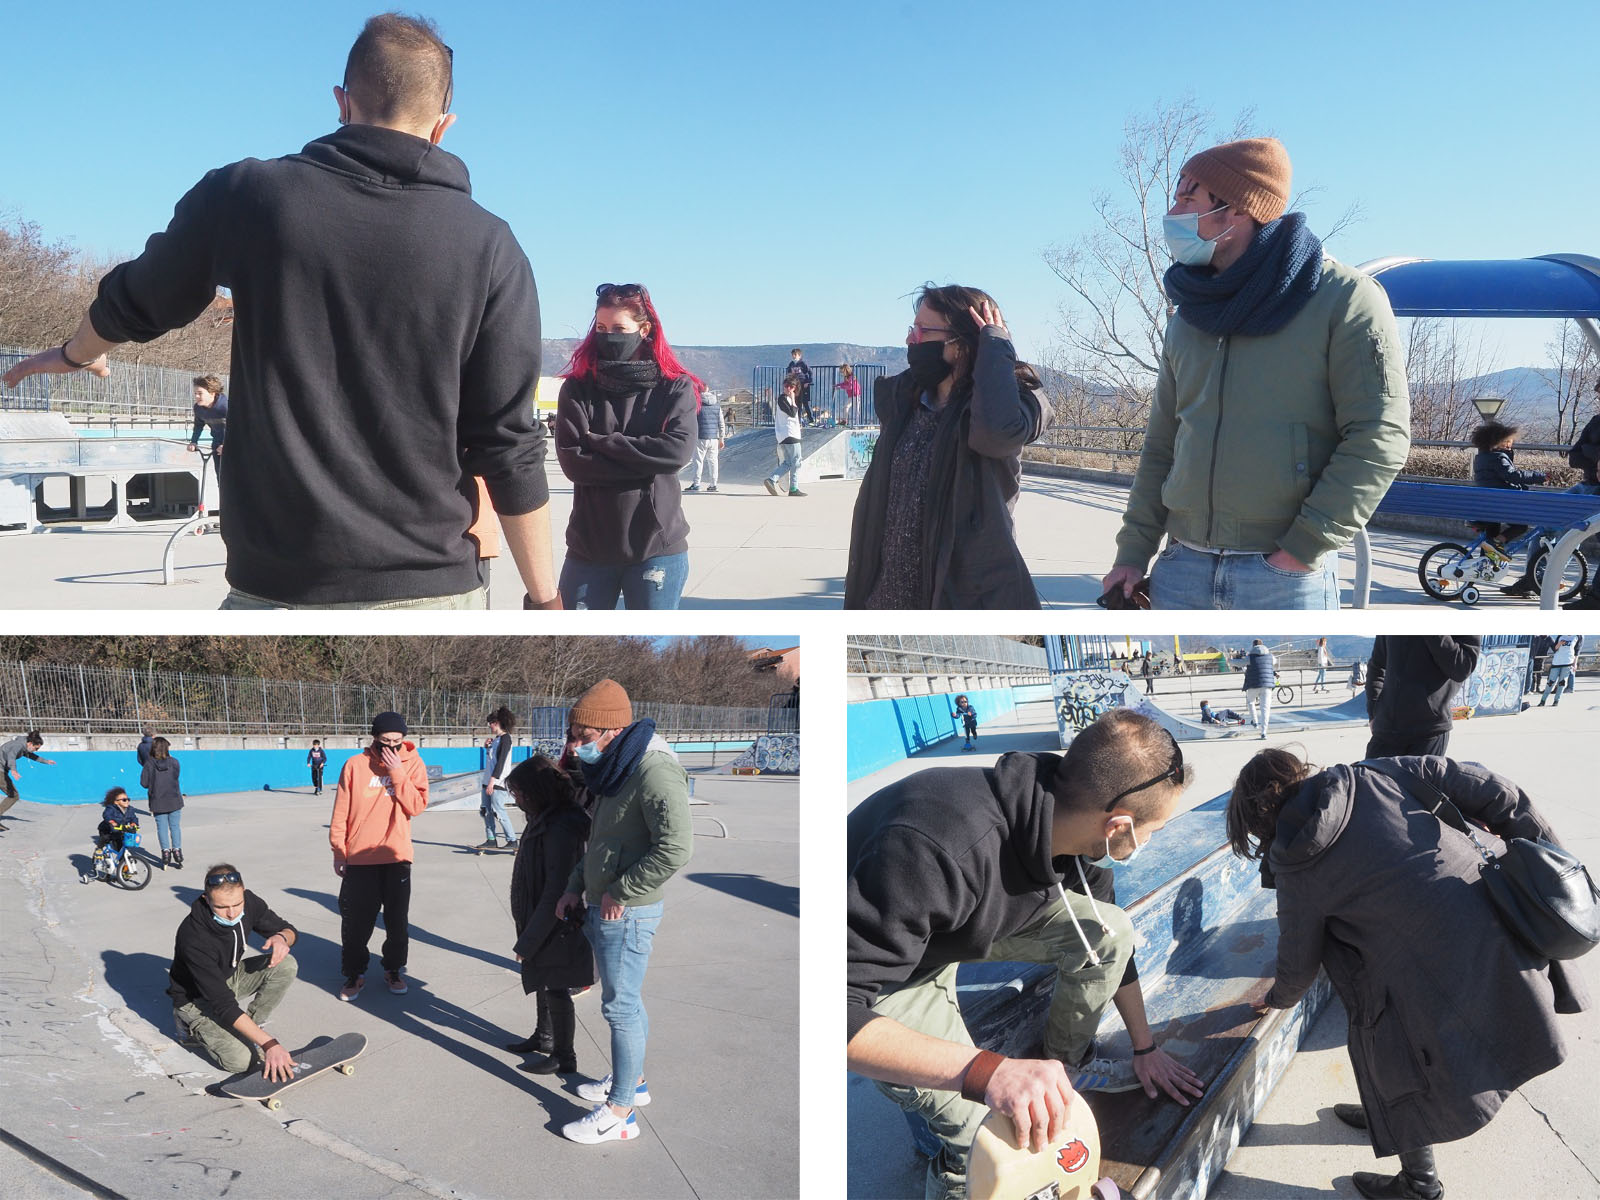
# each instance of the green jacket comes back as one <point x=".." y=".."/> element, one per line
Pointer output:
<point x="1286" y="441"/>
<point x="641" y="836"/>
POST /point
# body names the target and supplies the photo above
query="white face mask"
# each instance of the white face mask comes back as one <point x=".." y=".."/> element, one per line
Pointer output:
<point x="1105" y="860"/>
<point x="1184" y="243"/>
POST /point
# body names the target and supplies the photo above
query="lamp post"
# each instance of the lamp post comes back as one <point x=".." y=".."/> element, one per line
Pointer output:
<point x="1488" y="406"/>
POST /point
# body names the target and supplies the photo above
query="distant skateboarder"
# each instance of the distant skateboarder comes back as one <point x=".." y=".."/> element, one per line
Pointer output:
<point x="316" y="759"/>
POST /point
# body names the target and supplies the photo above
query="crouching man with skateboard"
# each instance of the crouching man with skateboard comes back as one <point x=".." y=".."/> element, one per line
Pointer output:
<point x="214" y="976"/>
<point x="959" y="865"/>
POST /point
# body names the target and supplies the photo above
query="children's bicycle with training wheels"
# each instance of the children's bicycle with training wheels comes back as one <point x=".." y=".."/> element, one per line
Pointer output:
<point x="126" y="870"/>
<point x="1451" y="571"/>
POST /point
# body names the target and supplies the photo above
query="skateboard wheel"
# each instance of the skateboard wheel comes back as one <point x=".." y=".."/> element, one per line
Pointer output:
<point x="345" y="1069"/>
<point x="274" y="1103"/>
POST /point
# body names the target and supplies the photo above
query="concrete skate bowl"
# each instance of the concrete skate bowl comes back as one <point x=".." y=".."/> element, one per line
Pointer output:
<point x="750" y="457"/>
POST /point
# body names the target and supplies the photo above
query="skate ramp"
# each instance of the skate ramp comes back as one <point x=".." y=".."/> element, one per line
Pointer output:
<point x="1284" y="720"/>
<point x="769" y="754"/>
<point x="750" y="457"/>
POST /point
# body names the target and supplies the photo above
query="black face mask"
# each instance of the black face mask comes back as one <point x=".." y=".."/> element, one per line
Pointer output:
<point x="926" y="360"/>
<point x="616" y="347"/>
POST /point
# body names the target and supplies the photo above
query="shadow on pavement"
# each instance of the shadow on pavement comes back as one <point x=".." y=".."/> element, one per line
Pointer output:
<point x="781" y="897"/>
<point x="417" y="934"/>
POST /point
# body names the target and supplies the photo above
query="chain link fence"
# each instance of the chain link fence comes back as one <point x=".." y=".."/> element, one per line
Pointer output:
<point x="941" y="654"/>
<point x="85" y="699"/>
<point x="133" y="390"/>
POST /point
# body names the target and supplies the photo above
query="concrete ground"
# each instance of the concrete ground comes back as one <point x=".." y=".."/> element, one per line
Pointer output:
<point x="91" y="1082"/>
<point x="1545" y="1140"/>
<point x="746" y="550"/>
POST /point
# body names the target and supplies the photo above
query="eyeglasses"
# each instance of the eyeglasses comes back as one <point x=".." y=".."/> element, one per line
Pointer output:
<point x="400" y="745"/>
<point x="222" y="877"/>
<point x="620" y="290"/>
<point x="919" y="333"/>
<point x="1175" y="772"/>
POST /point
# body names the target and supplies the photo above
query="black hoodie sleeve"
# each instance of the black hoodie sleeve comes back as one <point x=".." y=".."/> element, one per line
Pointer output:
<point x="902" y="888"/>
<point x="1375" y="669"/>
<point x="502" y="440"/>
<point x="173" y="281"/>
<point x="657" y="453"/>
<point x="1456" y="657"/>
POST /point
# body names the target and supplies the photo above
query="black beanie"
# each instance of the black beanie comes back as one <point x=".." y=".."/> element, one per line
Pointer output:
<point x="388" y="722"/>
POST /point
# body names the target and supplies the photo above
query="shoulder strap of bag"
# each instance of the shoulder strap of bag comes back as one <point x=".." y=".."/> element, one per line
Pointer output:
<point x="1430" y="797"/>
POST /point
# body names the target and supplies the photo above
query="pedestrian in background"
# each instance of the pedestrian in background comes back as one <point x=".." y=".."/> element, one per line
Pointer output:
<point x="786" y="427"/>
<point x="708" y="446"/>
<point x="1260" y="676"/>
<point x="159" y="778"/>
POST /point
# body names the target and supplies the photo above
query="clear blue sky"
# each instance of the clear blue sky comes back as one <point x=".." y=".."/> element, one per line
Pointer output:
<point x="783" y="173"/>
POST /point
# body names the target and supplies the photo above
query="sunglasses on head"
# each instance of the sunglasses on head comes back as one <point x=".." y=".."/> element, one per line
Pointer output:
<point x="222" y="877"/>
<point x="1174" y="772"/>
<point x="621" y="291"/>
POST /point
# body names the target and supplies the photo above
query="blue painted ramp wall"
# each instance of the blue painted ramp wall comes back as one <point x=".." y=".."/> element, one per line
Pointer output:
<point x="882" y="732"/>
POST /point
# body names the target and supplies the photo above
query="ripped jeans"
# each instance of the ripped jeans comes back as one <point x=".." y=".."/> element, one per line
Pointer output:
<point x="654" y="583"/>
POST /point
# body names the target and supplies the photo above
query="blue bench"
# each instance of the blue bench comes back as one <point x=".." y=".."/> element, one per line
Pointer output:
<point x="1576" y="514"/>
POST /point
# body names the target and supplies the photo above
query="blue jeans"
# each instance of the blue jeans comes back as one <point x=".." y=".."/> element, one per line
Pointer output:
<point x="1185" y="578"/>
<point x="654" y="583"/>
<point x="169" y="830"/>
<point x="788" y="464"/>
<point x="621" y="954"/>
<point x="492" y="808"/>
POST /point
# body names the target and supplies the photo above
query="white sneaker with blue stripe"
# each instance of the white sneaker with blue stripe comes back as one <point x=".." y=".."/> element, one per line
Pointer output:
<point x="598" y="1090"/>
<point x="1104" y="1075"/>
<point x="601" y="1125"/>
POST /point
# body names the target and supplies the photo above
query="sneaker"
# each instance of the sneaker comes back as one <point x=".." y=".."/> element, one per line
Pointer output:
<point x="596" y="1091"/>
<point x="491" y="844"/>
<point x="512" y="844"/>
<point x="796" y="492"/>
<point x="712" y="488"/>
<point x="352" y="987"/>
<point x="601" y="1125"/>
<point x="772" y="486"/>
<point x="396" y="982"/>
<point x="693" y="487"/>
<point x="1104" y="1075"/>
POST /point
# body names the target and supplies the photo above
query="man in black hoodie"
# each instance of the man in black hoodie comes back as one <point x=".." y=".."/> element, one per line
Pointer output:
<point x="385" y="350"/>
<point x="960" y="865"/>
<point x="1411" y="680"/>
<point x="213" y="976"/>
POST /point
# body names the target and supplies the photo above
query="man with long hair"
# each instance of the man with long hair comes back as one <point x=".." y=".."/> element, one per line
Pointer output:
<point x="385" y="349"/>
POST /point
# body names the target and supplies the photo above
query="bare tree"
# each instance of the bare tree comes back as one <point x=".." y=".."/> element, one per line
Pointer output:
<point x="1572" y="373"/>
<point x="1441" y="357"/>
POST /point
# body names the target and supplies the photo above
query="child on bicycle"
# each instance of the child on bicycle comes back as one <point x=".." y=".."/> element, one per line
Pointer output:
<point x="1493" y="466"/>
<point x="116" y="819"/>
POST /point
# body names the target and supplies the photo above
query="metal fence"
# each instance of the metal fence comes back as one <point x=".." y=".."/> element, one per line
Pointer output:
<point x="828" y="402"/>
<point x="941" y="654"/>
<point x="85" y="699"/>
<point x="133" y="390"/>
<point x="783" y="713"/>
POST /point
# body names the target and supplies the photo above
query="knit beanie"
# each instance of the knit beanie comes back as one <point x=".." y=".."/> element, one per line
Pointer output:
<point x="1251" y="175"/>
<point x="388" y="722"/>
<point x="604" y="706"/>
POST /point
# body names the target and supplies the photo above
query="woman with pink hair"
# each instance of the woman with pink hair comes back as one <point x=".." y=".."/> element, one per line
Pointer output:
<point x="625" y="427"/>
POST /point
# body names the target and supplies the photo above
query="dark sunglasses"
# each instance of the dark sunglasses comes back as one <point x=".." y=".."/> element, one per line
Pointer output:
<point x="619" y="290"/>
<point x="1174" y="772"/>
<point x="222" y="877"/>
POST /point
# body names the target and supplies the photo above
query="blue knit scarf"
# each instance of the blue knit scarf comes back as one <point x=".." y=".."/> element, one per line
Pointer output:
<point x="1260" y="293"/>
<point x="607" y="776"/>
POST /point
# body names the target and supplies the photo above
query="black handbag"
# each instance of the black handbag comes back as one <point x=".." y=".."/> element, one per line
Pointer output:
<point x="1542" y="893"/>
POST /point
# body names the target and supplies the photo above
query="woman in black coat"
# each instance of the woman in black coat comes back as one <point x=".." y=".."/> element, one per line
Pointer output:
<point x="932" y="525"/>
<point x="554" y="954"/>
<point x="1448" y="1012"/>
<point x="159" y="778"/>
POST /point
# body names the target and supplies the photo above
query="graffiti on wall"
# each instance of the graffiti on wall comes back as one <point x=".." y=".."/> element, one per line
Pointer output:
<point x="772" y="754"/>
<point x="1495" y="686"/>
<point x="859" y="445"/>
<point x="1080" y="697"/>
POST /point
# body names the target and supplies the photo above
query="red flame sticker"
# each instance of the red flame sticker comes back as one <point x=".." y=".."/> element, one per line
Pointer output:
<point x="1074" y="1156"/>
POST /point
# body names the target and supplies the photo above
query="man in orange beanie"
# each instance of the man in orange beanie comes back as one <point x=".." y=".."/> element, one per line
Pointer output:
<point x="380" y="790"/>
<point x="1281" y="412"/>
<point x="641" y="838"/>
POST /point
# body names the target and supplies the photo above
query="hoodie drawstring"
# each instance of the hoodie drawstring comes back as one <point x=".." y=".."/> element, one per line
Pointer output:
<point x="1094" y="959"/>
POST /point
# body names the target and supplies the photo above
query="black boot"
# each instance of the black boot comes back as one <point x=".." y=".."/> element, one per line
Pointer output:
<point x="561" y="1059"/>
<point x="540" y="1040"/>
<point x="1417" y="1179"/>
<point x="1351" y="1114"/>
<point x="177" y="859"/>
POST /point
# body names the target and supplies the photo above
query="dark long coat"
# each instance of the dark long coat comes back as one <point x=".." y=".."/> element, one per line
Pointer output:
<point x="555" y="954"/>
<point x="1448" y="1014"/>
<point x="969" y="552"/>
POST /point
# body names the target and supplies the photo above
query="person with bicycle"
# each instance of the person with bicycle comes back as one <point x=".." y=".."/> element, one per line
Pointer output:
<point x="1493" y="466"/>
<point x="117" y="820"/>
<point x="213" y="978"/>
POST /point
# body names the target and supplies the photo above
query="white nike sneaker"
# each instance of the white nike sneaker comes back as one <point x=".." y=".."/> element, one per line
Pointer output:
<point x="601" y="1125"/>
<point x="596" y="1091"/>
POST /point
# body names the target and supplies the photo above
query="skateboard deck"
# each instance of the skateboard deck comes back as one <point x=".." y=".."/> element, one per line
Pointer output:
<point x="1067" y="1169"/>
<point x="313" y="1060"/>
<point x="494" y="849"/>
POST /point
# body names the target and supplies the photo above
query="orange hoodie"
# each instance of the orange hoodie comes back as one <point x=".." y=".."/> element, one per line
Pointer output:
<point x="372" y="813"/>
